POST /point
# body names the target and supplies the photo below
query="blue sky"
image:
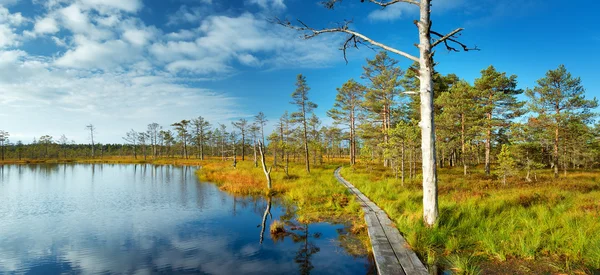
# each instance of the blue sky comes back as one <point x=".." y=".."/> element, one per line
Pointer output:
<point x="122" y="64"/>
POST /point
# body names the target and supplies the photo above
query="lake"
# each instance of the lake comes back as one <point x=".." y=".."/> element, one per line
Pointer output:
<point x="146" y="219"/>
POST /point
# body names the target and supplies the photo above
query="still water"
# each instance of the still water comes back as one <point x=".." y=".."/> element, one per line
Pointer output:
<point x="145" y="219"/>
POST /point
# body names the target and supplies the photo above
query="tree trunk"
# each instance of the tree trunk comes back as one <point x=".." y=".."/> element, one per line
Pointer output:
<point x="264" y="165"/>
<point x="566" y="162"/>
<point x="402" y="172"/>
<point x="243" y="146"/>
<point x="462" y="141"/>
<point x="202" y="150"/>
<point x="556" y="151"/>
<point x="255" y="159"/>
<point x="275" y="159"/>
<point x="352" y="140"/>
<point x="306" y="157"/>
<point x="488" y="145"/>
<point x="287" y="163"/>
<point x="430" y="195"/>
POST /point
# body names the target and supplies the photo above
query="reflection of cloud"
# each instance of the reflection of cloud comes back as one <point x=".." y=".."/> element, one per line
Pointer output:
<point x="140" y="219"/>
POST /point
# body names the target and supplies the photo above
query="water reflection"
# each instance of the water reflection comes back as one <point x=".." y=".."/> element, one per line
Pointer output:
<point x="106" y="218"/>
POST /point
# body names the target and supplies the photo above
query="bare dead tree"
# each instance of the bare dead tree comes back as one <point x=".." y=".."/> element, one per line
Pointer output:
<point x="92" y="130"/>
<point x="264" y="164"/>
<point x="426" y="44"/>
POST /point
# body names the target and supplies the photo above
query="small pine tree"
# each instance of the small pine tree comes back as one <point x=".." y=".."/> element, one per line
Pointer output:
<point x="506" y="163"/>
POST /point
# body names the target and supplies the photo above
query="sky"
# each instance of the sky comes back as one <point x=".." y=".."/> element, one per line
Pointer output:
<point x="123" y="64"/>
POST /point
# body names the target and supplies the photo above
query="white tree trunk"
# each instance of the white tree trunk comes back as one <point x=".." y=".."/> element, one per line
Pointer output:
<point x="430" y="197"/>
<point x="264" y="164"/>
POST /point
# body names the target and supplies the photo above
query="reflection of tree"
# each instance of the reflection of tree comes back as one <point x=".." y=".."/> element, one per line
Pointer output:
<point x="303" y="256"/>
<point x="264" y="220"/>
<point x="299" y="234"/>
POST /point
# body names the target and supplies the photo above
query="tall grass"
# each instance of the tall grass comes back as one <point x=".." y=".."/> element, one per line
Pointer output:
<point x="551" y="225"/>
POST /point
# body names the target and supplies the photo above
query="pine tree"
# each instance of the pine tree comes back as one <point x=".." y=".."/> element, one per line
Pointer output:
<point x="506" y="163"/>
<point x="346" y="110"/>
<point x="305" y="107"/>
<point x="459" y="114"/>
<point x="557" y="99"/>
<point x="497" y="97"/>
<point x="384" y="86"/>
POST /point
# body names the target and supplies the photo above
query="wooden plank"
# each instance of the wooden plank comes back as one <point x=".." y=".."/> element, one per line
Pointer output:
<point x="390" y="250"/>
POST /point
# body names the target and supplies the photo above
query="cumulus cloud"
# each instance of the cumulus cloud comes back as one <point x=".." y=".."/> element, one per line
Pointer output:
<point x="248" y="39"/>
<point x="8" y="24"/>
<point x="269" y="4"/>
<point x="46" y="25"/>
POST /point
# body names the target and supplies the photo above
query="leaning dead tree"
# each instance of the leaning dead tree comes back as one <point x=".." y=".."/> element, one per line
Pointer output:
<point x="267" y="172"/>
<point x="425" y="60"/>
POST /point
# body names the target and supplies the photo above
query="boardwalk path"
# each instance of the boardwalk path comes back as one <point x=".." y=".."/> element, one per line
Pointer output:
<point x="390" y="249"/>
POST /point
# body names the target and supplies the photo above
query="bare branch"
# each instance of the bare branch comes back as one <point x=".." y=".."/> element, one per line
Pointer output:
<point x="354" y="39"/>
<point x="330" y="4"/>
<point x="449" y="37"/>
<point x="385" y="4"/>
<point x="446" y="37"/>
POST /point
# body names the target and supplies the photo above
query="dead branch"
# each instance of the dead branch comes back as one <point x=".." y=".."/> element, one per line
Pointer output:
<point x="353" y="40"/>
<point x="331" y="3"/>
<point x="452" y="38"/>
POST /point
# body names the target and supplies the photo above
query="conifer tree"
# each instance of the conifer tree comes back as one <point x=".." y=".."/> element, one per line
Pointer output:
<point x="384" y="86"/>
<point x="557" y="99"/>
<point x="459" y="115"/>
<point x="346" y="109"/>
<point x="497" y="97"/>
<point x="305" y="107"/>
<point x="506" y="163"/>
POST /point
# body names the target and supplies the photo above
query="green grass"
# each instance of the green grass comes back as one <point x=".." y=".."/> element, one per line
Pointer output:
<point x="551" y="225"/>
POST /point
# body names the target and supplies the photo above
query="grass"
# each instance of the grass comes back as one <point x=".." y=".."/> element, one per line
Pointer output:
<point x="277" y="227"/>
<point x="549" y="226"/>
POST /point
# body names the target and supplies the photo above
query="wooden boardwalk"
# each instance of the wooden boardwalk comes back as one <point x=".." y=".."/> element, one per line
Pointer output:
<point x="392" y="255"/>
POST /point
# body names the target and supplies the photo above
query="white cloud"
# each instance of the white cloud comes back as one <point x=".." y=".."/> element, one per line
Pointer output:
<point x="247" y="39"/>
<point x="390" y="13"/>
<point x="8" y="23"/>
<point x="269" y="4"/>
<point x="105" y="6"/>
<point x="7" y="37"/>
<point x="13" y="19"/>
<point x="186" y="14"/>
<point x="46" y="25"/>
<point x="75" y="19"/>
<point x="91" y="54"/>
